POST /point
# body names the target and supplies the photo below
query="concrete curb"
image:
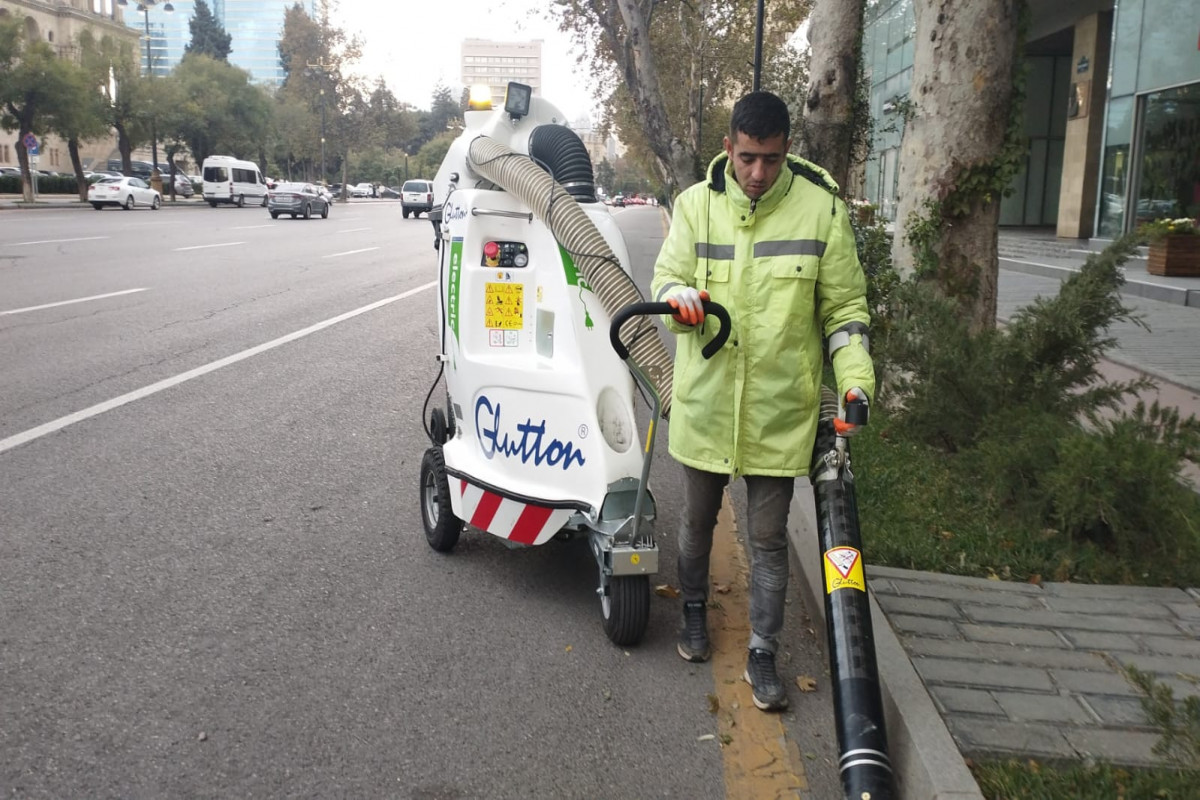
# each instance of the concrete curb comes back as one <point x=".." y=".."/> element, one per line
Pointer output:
<point x="928" y="763"/>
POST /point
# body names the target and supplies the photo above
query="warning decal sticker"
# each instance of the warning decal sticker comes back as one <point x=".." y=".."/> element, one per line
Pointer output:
<point x="843" y="570"/>
<point x="504" y="306"/>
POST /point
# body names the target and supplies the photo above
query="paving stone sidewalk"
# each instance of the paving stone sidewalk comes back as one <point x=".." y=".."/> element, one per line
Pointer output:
<point x="1036" y="671"/>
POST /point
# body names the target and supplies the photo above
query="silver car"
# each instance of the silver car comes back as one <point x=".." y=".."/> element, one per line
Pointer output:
<point x="297" y="199"/>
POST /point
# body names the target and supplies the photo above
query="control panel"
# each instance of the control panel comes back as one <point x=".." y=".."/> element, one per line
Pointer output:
<point x="505" y="254"/>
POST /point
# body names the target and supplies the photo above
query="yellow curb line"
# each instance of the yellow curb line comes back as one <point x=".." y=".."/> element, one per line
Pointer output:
<point x="760" y="762"/>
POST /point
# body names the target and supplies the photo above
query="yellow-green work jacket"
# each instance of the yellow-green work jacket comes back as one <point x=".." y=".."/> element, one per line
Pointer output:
<point x="787" y="270"/>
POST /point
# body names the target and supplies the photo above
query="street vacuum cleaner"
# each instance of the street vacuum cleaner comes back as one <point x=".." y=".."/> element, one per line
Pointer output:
<point x="544" y="340"/>
<point x="538" y="439"/>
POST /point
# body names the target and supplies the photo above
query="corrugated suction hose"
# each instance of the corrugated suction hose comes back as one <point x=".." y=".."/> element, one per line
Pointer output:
<point x="575" y="231"/>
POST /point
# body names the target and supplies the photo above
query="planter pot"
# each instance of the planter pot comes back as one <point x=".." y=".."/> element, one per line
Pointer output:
<point x="1175" y="255"/>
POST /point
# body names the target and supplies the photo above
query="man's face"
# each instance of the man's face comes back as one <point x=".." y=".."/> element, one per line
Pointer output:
<point x="756" y="162"/>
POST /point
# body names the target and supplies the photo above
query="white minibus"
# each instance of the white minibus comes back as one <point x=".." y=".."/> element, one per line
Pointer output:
<point x="229" y="180"/>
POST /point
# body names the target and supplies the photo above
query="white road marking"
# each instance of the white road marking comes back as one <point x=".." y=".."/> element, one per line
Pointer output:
<point x="108" y="405"/>
<point x="69" y="302"/>
<point x="351" y="252"/>
<point x="203" y="246"/>
<point x="354" y="230"/>
<point x="58" y="241"/>
<point x="250" y="227"/>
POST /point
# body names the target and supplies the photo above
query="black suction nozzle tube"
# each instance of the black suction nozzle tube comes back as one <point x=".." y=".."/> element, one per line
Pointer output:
<point x="651" y="309"/>
<point x="865" y="766"/>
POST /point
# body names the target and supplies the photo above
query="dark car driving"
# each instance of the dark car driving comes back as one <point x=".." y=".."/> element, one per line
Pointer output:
<point x="297" y="199"/>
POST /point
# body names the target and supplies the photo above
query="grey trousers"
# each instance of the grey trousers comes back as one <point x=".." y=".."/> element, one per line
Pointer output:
<point x="769" y="500"/>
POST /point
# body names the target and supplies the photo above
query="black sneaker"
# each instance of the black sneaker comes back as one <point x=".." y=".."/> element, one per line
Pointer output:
<point x="769" y="694"/>
<point x="693" y="635"/>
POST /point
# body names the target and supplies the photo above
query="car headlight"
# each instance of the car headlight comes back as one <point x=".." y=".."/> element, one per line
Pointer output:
<point x="616" y="423"/>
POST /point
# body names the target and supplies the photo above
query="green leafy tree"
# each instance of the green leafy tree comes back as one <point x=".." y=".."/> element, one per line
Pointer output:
<point x="209" y="37"/>
<point x="313" y="54"/>
<point x="32" y="83"/>
<point x="444" y="113"/>
<point x="211" y="107"/>
<point x="81" y="113"/>
<point x="606" y="176"/>
<point x="666" y="66"/>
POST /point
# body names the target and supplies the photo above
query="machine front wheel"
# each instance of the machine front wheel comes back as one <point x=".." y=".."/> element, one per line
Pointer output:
<point x="437" y="516"/>
<point x="626" y="609"/>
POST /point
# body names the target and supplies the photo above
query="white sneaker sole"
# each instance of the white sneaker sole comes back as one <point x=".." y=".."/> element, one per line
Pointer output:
<point x="779" y="706"/>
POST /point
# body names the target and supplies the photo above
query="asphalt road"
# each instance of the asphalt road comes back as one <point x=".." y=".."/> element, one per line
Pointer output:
<point x="213" y="581"/>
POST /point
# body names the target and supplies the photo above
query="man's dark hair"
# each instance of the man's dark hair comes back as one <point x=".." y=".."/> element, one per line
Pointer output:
<point x="760" y="115"/>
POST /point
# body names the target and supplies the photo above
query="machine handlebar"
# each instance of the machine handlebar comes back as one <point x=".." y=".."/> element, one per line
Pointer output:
<point x="649" y="309"/>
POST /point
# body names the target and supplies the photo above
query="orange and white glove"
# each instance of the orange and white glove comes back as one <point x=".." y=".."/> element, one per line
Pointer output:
<point x="687" y="304"/>
<point x="853" y="414"/>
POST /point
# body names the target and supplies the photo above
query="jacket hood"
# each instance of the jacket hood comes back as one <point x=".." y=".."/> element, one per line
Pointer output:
<point x="720" y="173"/>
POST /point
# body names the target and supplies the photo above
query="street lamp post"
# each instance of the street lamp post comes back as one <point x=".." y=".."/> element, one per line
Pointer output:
<point x="144" y="7"/>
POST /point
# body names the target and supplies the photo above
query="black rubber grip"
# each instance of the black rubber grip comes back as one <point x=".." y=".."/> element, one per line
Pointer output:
<point x="650" y="309"/>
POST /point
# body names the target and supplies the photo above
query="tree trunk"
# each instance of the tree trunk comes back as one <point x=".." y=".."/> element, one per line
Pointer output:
<point x="23" y="163"/>
<point x="125" y="148"/>
<point x="962" y="94"/>
<point x="827" y="133"/>
<point x="77" y="165"/>
<point x="676" y="159"/>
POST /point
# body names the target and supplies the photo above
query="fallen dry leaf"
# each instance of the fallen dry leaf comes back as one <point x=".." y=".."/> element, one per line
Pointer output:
<point x="570" y="648"/>
<point x="714" y="704"/>
<point x="721" y="588"/>
<point x="806" y="683"/>
<point x="666" y="590"/>
<point x="726" y="738"/>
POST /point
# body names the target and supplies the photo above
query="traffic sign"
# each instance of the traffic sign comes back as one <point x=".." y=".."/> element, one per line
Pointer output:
<point x="31" y="144"/>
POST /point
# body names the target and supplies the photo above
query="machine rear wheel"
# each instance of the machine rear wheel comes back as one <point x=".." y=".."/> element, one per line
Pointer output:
<point x="438" y="429"/>
<point x="626" y="609"/>
<point x="442" y="528"/>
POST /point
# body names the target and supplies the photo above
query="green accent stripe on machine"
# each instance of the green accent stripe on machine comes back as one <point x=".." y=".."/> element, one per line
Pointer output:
<point x="573" y="276"/>
<point x="456" y="248"/>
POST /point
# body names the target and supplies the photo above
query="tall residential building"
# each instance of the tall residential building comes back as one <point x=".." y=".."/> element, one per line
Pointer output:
<point x="254" y="25"/>
<point x="494" y="64"/>
<point x="1112" y="113"/>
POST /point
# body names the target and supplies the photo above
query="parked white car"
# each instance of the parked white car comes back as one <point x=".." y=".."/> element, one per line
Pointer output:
<point x="124" y="192"/>
<point x="361" y="190"/>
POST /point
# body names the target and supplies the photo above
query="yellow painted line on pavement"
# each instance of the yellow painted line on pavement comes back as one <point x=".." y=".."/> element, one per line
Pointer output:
<point x="760" y="762"/>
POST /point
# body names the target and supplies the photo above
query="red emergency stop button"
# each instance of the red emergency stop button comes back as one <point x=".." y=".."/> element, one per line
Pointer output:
<point x="491" y="252"/>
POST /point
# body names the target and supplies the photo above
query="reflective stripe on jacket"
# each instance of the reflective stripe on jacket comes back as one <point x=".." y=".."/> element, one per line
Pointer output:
<point x="787" y="270"/>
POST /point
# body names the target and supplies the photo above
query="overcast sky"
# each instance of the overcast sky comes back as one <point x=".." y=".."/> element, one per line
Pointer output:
<point x="413" y="48"/>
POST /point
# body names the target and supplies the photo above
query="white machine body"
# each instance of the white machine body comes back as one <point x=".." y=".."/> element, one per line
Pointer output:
<point x="543" y="421"/>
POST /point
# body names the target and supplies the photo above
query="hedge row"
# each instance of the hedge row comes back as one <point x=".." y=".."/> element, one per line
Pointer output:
<point x="62" y="184"/>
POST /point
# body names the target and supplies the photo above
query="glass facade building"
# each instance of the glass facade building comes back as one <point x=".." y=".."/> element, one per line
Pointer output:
<point x="1133" y="155"/>
<point x="254" y="25"/>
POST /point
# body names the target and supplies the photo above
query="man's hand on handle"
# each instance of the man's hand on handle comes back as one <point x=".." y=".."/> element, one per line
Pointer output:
<point x="854" y="413"/>
<point x="687" y="304"/>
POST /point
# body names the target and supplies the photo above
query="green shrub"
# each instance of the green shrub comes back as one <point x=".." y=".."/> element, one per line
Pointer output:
<point x="1005" y="453"/>
<point x="62" y="184"/>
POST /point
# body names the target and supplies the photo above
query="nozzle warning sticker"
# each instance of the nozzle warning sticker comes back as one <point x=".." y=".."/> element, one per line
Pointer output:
<point x="504" y="306"/>
<point x="843" y="570"/>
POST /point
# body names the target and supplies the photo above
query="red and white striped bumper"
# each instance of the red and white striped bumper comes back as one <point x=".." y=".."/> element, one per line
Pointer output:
<point x="515" y="520"/>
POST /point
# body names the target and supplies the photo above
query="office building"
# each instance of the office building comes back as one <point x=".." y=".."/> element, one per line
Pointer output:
<point x="494" y="64"/>
<point x="1112" y="113"/>
<point x="254" y="25"/>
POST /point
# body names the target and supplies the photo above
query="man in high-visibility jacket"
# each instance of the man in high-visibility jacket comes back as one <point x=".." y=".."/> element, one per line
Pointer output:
<point x="767" y="237"/>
